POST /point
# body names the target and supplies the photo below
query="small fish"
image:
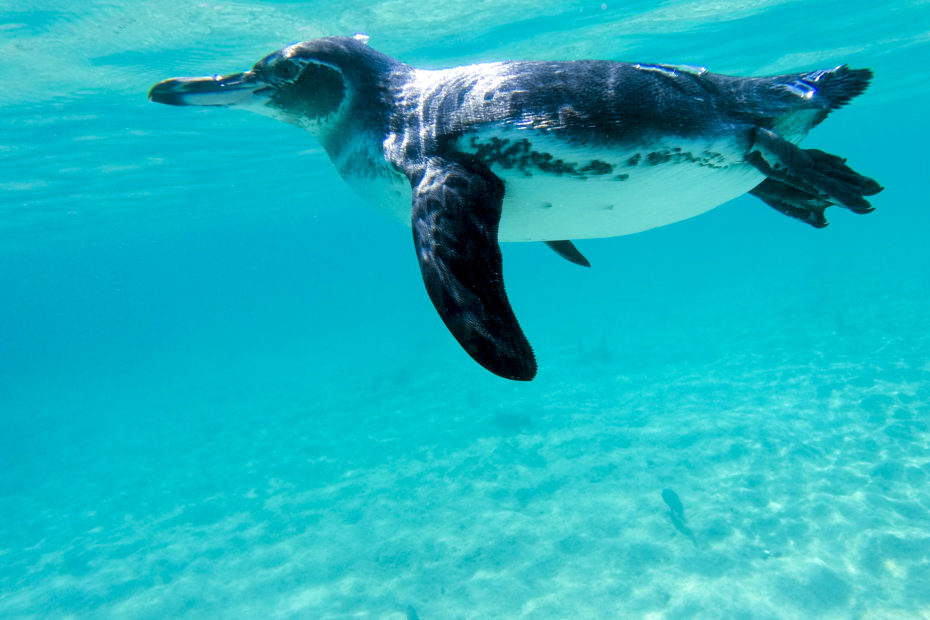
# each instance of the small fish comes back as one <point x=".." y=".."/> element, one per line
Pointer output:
<point x="676" y="512"/>
<point x="412" y="613"/>
<point x="673" y="502"/>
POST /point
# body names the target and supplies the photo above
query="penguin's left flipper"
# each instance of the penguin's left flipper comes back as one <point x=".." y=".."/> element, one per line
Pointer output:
<point x="456" y="212"/>
<point x="822" y="176"/>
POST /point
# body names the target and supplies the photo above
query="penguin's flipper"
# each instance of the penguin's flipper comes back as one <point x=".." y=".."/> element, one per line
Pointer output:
<point x="821" y="175"/>
<point x="567" y="250"/>
<point x="456" y="212"/>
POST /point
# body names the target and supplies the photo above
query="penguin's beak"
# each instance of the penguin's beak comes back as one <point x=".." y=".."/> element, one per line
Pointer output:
<point x="236" y="89"/>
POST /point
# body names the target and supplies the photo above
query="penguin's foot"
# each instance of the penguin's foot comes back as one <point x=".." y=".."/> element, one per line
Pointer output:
<point x="803" y="182"/>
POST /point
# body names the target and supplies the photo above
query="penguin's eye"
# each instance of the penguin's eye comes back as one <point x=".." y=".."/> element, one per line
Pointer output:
<point x="286" y="69"/>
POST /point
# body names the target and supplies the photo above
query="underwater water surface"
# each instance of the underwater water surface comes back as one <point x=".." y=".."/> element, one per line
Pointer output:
<point x="224" y="392"/>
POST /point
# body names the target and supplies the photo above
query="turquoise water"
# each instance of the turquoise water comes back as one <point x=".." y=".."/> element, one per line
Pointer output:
<point x="225" y="393"/>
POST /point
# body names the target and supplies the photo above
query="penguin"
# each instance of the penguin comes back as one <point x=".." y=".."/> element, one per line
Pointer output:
<point x="542" y="151"/>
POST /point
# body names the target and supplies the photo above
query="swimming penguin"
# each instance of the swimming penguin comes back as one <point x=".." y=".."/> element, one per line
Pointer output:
<point x="542" y="151"/>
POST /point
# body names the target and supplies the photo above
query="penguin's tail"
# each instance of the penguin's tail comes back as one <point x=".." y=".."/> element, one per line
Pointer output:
<point x="800" y="101"/>
<point x="834" y="88"/>
<point x="802" y="183"/>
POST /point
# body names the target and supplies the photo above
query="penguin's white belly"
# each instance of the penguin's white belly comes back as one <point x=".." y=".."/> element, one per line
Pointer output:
<point x="555" y="192"/>
<point x="547" y="207"/>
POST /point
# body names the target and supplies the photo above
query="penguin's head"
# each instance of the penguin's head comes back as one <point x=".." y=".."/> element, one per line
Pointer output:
<point x="314" y="84"/>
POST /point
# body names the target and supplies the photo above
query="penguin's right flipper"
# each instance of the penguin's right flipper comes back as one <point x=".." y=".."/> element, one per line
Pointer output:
<point x="567" y="250"/>
<point x="824" y="177"/>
